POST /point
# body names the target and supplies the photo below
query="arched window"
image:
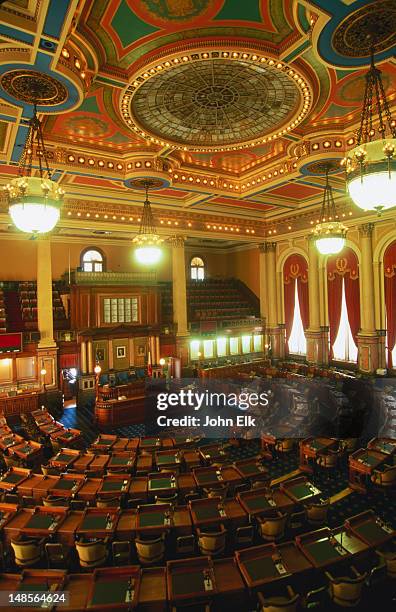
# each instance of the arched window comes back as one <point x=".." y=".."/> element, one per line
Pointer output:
<point x="390" y="302"/>
<point x="92" y="260"/>
<point x="197" y="267"/>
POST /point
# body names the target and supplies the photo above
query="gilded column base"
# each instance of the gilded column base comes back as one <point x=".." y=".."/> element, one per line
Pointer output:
<point x="318" y="346"/>
<point x="371" y="351"/>
<point x="276" y="339"/>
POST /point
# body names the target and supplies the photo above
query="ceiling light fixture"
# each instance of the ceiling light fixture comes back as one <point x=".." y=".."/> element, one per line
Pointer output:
<point x="147" y="242"/>
<point x="329" y="233"/>
<point x="371" y="165"/>
<point x="34" y="201"/>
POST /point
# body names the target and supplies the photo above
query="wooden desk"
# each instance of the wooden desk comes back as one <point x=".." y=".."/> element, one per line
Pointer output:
<point x="71" y="437"/>
<point x="51" y="427"/>
<point x="320" y="548"/>
<point x="191" y="580"/>
<point x="95" y="523"/>
<point x="20" y="403"/>
<point x="251" y="469"/>
<point x="114" y="485"/>
<point x="300" y="490"/>
<point x="362" y="463"/>
<point x="212" y="453"/>
<point x="121" y="459"/>
<point x="168" y="459"/>
<point x="260" y="502"/>
<point x="42" y="416"/>
<point x="67" y="485"/>
<point x="89" y="489"/>
<point x="82" y="463"/>
<point x="37" y="522"/>
<point x="125" y="444"/>
<point x="154" y="519"/>
<point x="66" y="534"/>
<point x="118" y="412"/>
<point x="104" y="442"/>
<point x="32" y="580"/>
<point x="311" y="448"/>
<point x="64" y="458"/>
<point x="12" y="478"/>
<point x="150" y="443"/>
<point x="186" y="483"/>
<point x="78" y="586"/>
<point x="208" y="477"/>
<point x="191" y="459"/>
<point x="261" y="564"/>
<point x="162" y="483"/>
<point x="28" y="450"/>
<point x="37" y="486"/>
<point x="387" y="446"/>
<point x="7" y="512"/>
<point x="144" y="464"/>
<point x="114" y="588"/>
<point x="5" y="430"/>
<point x="370" y="529"/>
<point x="350" y="541"/>
<point x="152" y="594"/>
<point x="229" y="583"/>
<point x="10" y="440"/>
<point x="207" y="512"/>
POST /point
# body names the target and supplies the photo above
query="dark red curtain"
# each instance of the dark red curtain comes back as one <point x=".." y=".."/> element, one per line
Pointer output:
<point x="295" y="270"/>
<point x="390" y="298"/>
<point x="334" y="296"/>
<point x="302" y="288"/>
<point x="352" y="299"/>
<point x="343" y="266"/>
<point x="289" y="293"/>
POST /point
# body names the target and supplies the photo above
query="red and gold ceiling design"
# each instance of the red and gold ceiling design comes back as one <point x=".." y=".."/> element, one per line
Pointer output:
<point x="232" y="106"/>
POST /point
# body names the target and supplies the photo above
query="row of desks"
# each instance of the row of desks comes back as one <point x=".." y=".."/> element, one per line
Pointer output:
<point x="204" y="579"/>
<point x="60" y="523"/>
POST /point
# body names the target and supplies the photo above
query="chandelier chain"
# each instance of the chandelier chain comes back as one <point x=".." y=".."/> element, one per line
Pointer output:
<point x="34" y="142"/>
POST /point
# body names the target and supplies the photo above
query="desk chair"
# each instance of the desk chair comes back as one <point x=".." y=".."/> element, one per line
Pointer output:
<point x="47" y="470"/>
<point x="212" y="543"/>
<point x="346" y="590"/>
<point x="284" y="446"/>
<point x="133" y="503"/>
<point x="167" y="499"/>
<point x="150" y="550"/>
<point x="11" y="498"/>
<point x="330" y="461"/>
<point x="272" y="528"/>
<point x="78" y="504"/>
<point x="388" y="558"/>
<point x="91" y="554"/>
<point x="279" y="599"/>
<point x="220" y="491"/>
<point x="27" y="552"/>
<point x="317" y="512"/>
<point x="53" y="500"/>
<point x="385" y="479"/>
<point x="28" y="501"/>
<point x="121" y="552"/>
<point x="108" y="502"/>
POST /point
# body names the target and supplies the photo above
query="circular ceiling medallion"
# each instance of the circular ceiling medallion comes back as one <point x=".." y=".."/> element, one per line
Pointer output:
<point x="374" y="24"/>
<point x="215" y="101"/>
<point x="30" y="86"/>
<point x="320" y="167"/>
<point x="152" y="183"/>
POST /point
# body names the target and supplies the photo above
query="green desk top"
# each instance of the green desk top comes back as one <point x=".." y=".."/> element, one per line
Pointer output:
<point x="65" y="457"/>
<point x="322" y="551"/>
<point x="151" y="519"/>
<point x="112" y="485"/>
<point x="248" y="469"/>
<point x="33" y="587"/>
<point x="40" y="521"/>
<point x="110" y="592"/>
<point x="105" y="442"/>
<point x="120" y="460"/>
<point x="207" y="511"/>
<point x="94" y="521"/>
<point x="149" y="442"/>
<point x="160" y="483"/>
<point x="13" y="478"/>
<point x="301" y="491"/>
<point x="188" y="582"/>
<point x="65" y="484"/>
<point x="385" y="447"/>
<point x="371" y="532"/>
<point x="257" y="503"/>
<point x="169" y="458"/>
<point x="259" y="569"/>
<point x="316" y="445"/>
<point x="206" y="477"/>
<point x="370" y="460"/>
<point x="67" y="435"/>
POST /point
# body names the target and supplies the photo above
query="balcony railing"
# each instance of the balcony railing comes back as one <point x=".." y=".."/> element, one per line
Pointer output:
<point x="110" y="278"/>
<point x="214" y="325"/>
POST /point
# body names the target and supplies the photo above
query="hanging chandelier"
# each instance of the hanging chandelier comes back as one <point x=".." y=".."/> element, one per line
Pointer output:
<point x="371" y="165"/>
<point x="329" y="233"/>
<point x="34" y="201"/>
<point x="147" y="242"/>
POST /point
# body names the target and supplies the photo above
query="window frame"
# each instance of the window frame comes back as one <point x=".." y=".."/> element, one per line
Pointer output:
<point x="94" y="262"/>
<point x="191" y="268"/>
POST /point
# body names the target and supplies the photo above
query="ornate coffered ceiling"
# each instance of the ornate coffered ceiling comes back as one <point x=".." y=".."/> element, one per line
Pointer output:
<point x="231" y="106"/>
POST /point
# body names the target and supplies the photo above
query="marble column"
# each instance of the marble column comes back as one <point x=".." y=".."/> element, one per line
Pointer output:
<point x="179" y="290"/>
<point x="370" y="344"/>
<point x="263" y="282"/>
<point x="316" y="336"/>
<point x="275" y="331"/>
<point x="46" y="349"/>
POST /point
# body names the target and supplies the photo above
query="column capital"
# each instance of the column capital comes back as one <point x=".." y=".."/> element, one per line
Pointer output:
<point x="176" y="241"/>
<point x="366" y="229"/>
<point x="268" y="247"/>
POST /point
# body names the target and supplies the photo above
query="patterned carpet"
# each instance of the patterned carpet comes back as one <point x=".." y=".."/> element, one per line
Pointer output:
<point x="347" y="502"/>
